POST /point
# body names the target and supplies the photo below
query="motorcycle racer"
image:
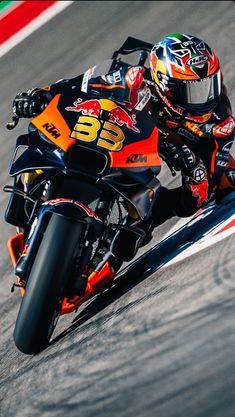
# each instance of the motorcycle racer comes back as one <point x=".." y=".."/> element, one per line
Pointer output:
<point x="192" y="111"/>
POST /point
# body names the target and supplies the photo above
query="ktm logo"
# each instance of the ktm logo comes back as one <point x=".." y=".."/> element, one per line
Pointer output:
<point x="50" y="128"/>
<point x="194" y="128"/>
<point x="134" y="158"/>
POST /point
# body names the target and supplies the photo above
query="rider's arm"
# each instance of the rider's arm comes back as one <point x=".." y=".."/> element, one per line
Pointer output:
<point x="34" y="101"/>
<point x="223" y="134"/>
<point x="220" y="156"/>
<point x="175" y="152"/>
<point x="113" y="79"/>
<point x="182" y="158"/>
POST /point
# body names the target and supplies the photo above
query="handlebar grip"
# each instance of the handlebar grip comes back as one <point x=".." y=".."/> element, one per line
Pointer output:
<point x="14" y="122"/>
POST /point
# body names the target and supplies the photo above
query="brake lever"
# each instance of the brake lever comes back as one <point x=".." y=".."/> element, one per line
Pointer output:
<point x="13" y="123"/>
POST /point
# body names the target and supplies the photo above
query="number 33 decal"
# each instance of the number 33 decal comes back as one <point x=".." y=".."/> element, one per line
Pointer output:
<point x="108" y="135"/>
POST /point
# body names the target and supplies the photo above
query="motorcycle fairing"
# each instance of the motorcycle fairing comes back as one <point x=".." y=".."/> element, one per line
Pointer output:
<point x="35" y="154"/>
<point x="142" y="153"/>
<point x="126" y="148"/>
<point x="53" y="125"/>
<point x="141" y="197"/>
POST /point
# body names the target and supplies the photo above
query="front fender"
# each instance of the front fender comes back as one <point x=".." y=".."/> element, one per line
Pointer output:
<point x="69" y="208"/>
<point x="75" y="210"/>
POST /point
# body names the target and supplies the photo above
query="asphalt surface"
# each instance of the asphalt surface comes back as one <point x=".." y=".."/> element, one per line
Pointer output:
<point x="156" y="345"/>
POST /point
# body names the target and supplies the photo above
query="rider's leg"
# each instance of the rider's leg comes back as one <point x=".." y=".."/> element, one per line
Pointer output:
<point x="174" y="202"/>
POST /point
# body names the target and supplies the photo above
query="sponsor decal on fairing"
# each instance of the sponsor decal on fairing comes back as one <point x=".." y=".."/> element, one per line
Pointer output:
<point x="133" y="158"/>
<point x="142" y="103"/>
<point x="113" y="78"/>
<point x="52" y="129"/>
<point x="86" y="77"/>
<point x="117" y="114"/>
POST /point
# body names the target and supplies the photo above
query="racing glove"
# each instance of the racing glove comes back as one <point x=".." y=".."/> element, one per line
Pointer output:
<point x="32" y="103"/>
<point x="179" y="156"/>
<point x="193" y="170"/>
<point x="170" y="154"/>
<point x="196" y="181"/>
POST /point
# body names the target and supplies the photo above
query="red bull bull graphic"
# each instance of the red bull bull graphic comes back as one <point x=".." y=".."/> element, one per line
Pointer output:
<point x="117" y="114"/>
<point x="87" y="108"/>
<point x="201" y="192"/>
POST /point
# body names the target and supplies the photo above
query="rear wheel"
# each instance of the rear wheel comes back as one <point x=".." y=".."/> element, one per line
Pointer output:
<point x="40" y="306"/>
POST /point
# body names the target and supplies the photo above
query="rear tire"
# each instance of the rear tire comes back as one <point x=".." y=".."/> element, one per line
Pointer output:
<point x="40" y="306"/>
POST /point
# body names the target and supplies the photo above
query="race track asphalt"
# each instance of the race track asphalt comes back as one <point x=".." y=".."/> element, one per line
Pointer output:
<point x="155" y="345"/>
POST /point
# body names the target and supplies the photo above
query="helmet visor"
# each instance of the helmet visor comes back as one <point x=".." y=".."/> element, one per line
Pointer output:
<point x="203" y="91"/>
<point x="197" y="97"/>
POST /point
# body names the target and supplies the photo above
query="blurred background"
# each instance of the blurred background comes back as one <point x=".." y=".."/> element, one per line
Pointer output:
<point x="164" y="347"/>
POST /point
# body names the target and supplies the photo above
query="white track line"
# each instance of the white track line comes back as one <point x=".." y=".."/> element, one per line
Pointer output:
<point x="210" y="238"/>
<point x="39" y="21"/>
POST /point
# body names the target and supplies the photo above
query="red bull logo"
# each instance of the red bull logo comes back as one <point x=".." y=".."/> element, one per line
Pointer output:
<point x="201" y="192"/>
<point x="117" y="114"/>
<point x="87" y="108"/>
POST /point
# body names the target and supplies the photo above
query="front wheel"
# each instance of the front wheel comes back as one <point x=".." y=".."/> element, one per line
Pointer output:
<point x="40" y="306"/>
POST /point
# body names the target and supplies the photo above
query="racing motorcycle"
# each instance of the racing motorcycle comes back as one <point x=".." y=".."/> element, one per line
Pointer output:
<point x="84" y="185"/>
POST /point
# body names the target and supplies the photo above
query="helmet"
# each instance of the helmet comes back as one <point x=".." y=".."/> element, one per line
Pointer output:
<point x="186" y="73"/>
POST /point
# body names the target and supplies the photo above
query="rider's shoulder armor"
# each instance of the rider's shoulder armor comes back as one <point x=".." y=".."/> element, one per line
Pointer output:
<point x="224" y="126"/>
<point x="215" y="126"/>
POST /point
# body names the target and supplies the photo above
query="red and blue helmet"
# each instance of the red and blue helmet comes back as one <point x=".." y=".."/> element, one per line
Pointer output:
<point x="187" y="75"/>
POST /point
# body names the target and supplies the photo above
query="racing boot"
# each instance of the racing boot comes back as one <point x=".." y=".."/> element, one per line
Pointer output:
<point x="173" y="202"/>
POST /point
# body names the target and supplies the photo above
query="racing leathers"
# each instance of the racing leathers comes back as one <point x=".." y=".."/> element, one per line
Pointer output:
<point x="197" y="146"/>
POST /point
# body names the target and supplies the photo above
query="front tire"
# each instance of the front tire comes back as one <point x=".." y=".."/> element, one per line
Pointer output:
<point x="40" y="306"/>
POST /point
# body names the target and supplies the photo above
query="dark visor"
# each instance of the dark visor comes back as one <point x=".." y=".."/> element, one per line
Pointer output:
<point x="203" y="91"/>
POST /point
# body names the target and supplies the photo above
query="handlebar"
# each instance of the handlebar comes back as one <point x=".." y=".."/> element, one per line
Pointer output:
<point x="13" y="123"/>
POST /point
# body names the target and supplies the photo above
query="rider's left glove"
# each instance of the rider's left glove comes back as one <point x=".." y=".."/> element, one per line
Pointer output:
<point x="30" y="104"/>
